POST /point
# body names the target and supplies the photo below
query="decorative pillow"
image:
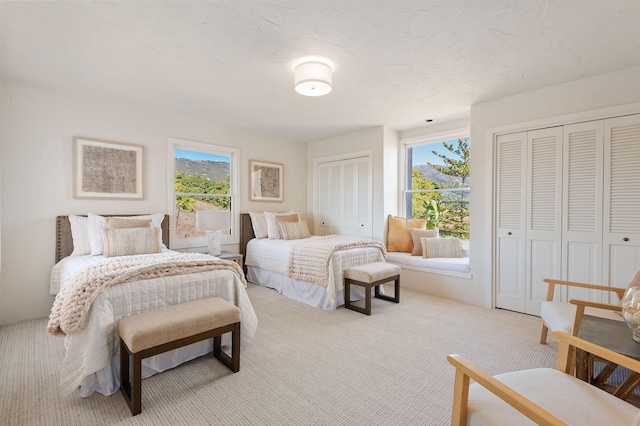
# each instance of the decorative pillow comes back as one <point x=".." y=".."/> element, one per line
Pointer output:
<point x="97" y="224"/>
<point x="416" y="234"/>
<point x="117" y="223"/>
<point x="80" y="235"/>
<point x="398" y="237"/>
<point x="259" y="224"/>
<point x="293" y="230"/>
<point x="130" y="241"/>
<point x="272" y="219"/>
<point x="440" y="247"/>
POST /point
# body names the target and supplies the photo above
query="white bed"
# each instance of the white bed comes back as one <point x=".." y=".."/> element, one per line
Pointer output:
<point x="91" y="360"/>
<point x="267" y="262"/>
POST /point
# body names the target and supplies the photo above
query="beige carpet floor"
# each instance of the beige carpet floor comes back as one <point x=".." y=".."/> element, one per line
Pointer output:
<point x="306" y="366"/>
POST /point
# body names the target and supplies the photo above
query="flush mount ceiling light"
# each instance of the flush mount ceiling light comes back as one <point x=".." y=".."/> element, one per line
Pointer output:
<point x="313" y="78"/>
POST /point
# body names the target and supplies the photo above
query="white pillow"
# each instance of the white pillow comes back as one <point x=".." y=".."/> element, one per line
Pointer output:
<point x="80" y="235"/>
<point x="273" y="231"/>
<point x="259" y="224"/>
<point x="97" y="224"/>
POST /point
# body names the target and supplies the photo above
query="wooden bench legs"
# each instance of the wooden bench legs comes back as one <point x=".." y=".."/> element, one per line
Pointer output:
<point x="132" y="387"/>
<point x="367" y="287"/>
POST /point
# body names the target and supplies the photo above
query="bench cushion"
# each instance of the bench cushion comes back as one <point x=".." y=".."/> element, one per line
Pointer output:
<point x="371" y="272"/>
<point x="164" y="325"/>
<point x="572" y="400"/>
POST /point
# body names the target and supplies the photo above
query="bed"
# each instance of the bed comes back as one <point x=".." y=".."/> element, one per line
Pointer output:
<point x="267" y="264"/>
<point x="91" y="362"/>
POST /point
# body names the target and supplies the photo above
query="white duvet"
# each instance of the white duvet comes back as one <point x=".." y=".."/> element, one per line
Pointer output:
<point x="273" y="255"/>
<point x="92" y="356"/>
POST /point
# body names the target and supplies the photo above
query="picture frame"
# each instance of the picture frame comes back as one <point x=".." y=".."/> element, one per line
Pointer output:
<point x="106" y="170"/>
<point x="266" y="181"/>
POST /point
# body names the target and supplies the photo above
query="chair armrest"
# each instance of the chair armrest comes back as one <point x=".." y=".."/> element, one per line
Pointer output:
<point x="465" y="370"/>
<point x="553" y="282"/>
<point x="599" y="305"/>
<point x="567" y="342"/>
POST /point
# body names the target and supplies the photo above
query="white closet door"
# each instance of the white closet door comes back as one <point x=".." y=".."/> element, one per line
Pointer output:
<point x="582" y="207"/>
<point x="510" y="222"/>
<point x="621" y="200"/>
<point x="364" y="194"/>
<point x="344" y="197"/>
<point x="544" y="214"/>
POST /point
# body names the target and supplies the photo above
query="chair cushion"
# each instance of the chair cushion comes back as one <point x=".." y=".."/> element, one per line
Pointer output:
<point x="559" y="316"/>
<point x="572" y="400"/>
<point x="371" y="272"/>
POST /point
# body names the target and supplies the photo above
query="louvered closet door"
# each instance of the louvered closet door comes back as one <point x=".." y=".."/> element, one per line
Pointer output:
<point x="510" y="221"/>
<point x="364" y="191"/>
<point x="347" y="218"/>
<point x="582" y="207"/>
<point x="544" y="215"/>
<point x="621" y="200"/>
<point x="323" y="208"/>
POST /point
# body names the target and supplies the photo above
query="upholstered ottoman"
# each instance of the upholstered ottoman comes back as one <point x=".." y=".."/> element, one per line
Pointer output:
<point x="367" y="276"/>
<point x="160" y="330"/>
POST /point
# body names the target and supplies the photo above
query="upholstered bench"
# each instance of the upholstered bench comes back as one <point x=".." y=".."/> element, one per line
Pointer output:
<point x="367" y="276"/>
<point x="160" y="330"/>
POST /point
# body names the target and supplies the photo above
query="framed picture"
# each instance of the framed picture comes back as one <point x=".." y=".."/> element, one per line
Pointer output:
<point x="266" y="181"/>
<point x="106" y="170"/>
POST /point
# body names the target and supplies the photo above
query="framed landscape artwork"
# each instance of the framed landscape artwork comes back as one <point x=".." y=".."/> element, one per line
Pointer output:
<point x="266" y="181"/>
<point x="106" y="170"/>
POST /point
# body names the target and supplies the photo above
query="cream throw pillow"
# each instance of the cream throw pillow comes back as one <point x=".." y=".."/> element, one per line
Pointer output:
<point x="97" y="224"/>
<point x="80" y="235"/>
<point x="117" y="223"/>
<point x="398" y="237"/>
<point x="440" y="247"/>
<point x="259" y="224"/>
<point x="416" y="234"/>
<point x="293" y="230"/>
<point x="272" y="219"/>
<point x="130" y="241"/>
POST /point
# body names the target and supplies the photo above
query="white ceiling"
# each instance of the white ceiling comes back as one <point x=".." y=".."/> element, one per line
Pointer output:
<point x="396" y="63"/>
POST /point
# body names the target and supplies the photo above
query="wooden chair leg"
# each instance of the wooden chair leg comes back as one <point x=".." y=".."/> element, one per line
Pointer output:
<point x="543" y="334"/>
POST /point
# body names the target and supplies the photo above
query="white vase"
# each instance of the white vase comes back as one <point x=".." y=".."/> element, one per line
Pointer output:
<point x="214" y="238"/>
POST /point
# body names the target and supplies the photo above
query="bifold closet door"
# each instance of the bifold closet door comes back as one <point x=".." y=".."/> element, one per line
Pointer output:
<point x="621" y="235"/>
<point x="582" y="208"/>
<point x="511" y="164"/>
<point x="543" y="234"/>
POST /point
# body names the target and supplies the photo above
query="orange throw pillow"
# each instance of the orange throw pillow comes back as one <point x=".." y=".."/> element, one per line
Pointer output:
<point x="398" y="237"/>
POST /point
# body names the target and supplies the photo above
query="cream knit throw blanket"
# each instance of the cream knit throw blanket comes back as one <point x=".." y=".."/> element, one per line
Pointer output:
<point x="309" y="259"/>
<point x="72" y="304"/>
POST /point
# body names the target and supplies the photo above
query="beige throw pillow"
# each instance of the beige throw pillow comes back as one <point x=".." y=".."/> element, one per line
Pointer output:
<point x="398" y="237"/>
<point x="293" y="230"/>
<point x="119" y="223"/>
<point x="416" y="234"/>
<point x="130" y="241"/>
<point x="440" y="247"/>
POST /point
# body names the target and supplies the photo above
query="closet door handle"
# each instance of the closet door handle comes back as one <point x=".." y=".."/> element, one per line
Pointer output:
<point x="625" y="239"/>
<point x="509" y="233"/>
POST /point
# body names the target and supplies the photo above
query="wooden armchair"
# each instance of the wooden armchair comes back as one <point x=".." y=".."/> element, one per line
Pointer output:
<point x="547" y="396"/>
<point x="566" y="317"/>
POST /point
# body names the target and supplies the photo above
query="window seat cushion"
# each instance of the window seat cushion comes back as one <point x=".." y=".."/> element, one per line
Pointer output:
<point x="455" y="264"/>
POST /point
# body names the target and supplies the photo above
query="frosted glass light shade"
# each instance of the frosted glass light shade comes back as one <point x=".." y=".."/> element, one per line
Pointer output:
<point x="313" y="78"/>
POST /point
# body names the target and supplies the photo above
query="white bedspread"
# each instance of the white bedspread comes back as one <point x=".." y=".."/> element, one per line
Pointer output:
<point x="92" y="357"/>
<point x="273" y="255"/>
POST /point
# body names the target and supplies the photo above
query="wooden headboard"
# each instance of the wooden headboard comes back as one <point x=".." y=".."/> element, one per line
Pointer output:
<point x="64" y="242"/>
<point x="246" y="232"/>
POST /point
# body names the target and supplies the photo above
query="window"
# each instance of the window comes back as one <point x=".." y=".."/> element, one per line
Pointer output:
<point x="437" y="185"/>
<point x="203" y="186"/>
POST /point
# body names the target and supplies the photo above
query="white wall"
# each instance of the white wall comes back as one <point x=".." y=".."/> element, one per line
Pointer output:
<point x="581" y="99"/>
<point x="383" y="143"/>
<point x="36" y="175"/>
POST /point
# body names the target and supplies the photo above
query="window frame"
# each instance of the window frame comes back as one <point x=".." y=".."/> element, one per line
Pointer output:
<point x="433" y="138"/>
<point x="234" y="185"/>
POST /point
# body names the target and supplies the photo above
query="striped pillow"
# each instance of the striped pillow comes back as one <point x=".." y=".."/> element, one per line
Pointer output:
<point x="130" y="241"/>
<point x="294" y="230"/>
<point x="440" y="247"/>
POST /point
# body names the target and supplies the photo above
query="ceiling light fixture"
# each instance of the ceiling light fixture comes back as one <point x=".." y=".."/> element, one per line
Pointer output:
<point x="313" y="78"/>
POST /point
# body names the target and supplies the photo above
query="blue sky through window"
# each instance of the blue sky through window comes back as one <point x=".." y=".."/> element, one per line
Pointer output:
<point x="422" y="153"/>
<point x="200" y="156"/>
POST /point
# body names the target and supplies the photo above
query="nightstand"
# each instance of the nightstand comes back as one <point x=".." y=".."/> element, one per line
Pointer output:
<point x="227" y="255"/>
